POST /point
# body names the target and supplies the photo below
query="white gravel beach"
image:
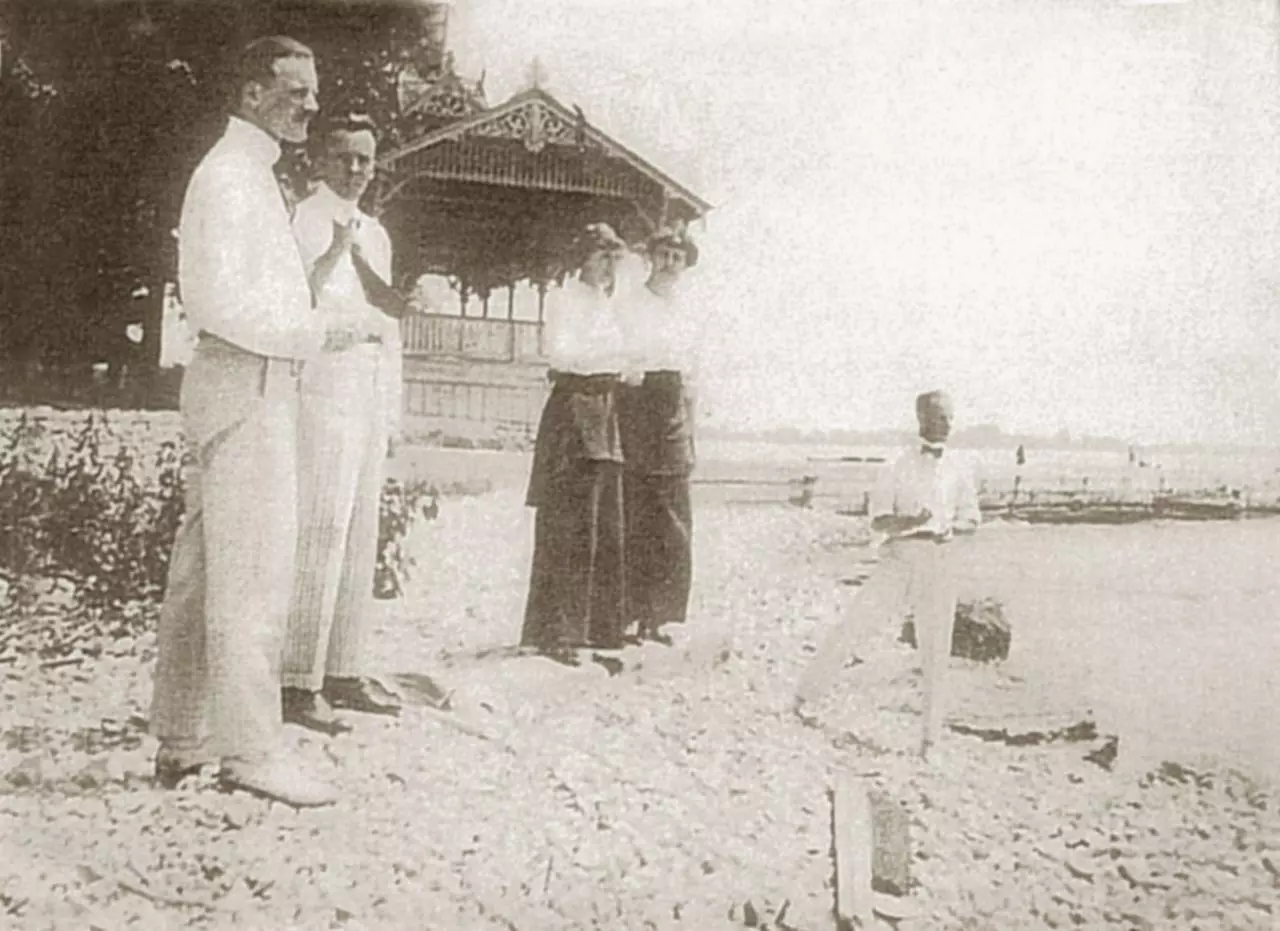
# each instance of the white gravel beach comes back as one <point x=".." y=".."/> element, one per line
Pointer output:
<point x="669" y="796"/>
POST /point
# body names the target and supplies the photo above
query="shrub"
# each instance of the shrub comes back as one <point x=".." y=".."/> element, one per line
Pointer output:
<point x="401" y="506"/>
<point x="90" y="509"/>
<point x="71" y="510"/>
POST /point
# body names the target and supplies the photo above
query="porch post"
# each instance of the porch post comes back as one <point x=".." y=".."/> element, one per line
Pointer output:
<point x="542" y="315"/>
<point x="511" y="322"/>
<point x="462" y="323"/>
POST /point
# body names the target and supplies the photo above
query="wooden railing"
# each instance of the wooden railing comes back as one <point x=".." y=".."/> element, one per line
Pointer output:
<point x="472" y="338"/>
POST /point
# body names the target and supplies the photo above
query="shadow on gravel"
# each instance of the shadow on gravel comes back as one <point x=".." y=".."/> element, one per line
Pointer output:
<point x="421" y="689"/>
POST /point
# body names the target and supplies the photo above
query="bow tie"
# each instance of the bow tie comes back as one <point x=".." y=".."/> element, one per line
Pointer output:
<point x="934" y="451"/>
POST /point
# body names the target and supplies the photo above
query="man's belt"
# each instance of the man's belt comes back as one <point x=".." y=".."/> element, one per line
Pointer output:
<point x="206" y="337"/>
<point x="295" y="365"/>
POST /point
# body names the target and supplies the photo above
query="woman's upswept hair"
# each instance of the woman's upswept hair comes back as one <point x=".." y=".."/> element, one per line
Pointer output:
<point x="596" y="237"/>
<point x="676" y="239"/>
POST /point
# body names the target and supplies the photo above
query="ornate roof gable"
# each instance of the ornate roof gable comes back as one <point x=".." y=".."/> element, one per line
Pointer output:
<point x="537" y="120"/>
<point x="536" y="124"/>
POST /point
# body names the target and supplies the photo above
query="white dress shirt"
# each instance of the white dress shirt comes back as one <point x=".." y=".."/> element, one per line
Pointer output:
<point x="240" y="274"/>
<point x="313" y="225"/>
<point x="342" y="292"/>
<point x="583" y="333"/>
<point x="917" y="480"/>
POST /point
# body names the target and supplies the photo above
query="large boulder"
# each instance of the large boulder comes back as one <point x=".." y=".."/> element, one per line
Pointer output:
<point x="981" y="632"/>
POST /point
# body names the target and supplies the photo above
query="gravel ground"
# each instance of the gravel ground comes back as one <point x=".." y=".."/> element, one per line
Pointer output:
<point x="669" y="796"/>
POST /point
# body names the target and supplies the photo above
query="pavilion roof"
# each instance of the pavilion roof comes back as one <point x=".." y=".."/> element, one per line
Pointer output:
<point x="533" y="141"/>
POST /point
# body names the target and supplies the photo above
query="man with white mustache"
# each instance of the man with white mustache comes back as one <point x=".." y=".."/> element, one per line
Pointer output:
<point x="922" y="502"/>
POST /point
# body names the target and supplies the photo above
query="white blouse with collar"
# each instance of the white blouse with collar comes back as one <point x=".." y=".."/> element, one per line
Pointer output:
<point x="584" y="334"/>
<point x="661" y="333"/>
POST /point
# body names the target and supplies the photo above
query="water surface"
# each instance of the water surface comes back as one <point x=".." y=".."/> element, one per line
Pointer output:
<point x="1171" y="631"/>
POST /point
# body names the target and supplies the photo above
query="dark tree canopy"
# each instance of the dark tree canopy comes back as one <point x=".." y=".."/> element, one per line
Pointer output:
<point x="105" y="108"/>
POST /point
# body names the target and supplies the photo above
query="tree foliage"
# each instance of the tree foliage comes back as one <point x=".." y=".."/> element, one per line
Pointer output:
<point x="105" y="109"/>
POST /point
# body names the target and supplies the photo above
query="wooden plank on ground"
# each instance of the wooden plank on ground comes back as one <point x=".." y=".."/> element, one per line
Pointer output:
<point x="891" y="859"/>
<point x="854" y="835"/>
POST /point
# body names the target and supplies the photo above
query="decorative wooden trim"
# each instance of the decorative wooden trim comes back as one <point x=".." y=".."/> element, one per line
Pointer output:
<point x="538" y="122"/>
<point x="469" y="161"/>
<point x="536" y="125"/>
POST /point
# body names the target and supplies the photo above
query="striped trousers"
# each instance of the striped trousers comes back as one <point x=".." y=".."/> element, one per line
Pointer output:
<point x="342" y="448"/>
<point x="217" y="678"/>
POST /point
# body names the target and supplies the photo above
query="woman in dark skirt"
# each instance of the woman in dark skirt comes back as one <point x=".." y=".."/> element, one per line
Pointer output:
<point x="657" y="436"/>
<point x="577" y="587"/>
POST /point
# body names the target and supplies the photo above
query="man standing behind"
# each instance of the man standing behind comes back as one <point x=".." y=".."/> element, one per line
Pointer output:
<point x="350" y="407"/>
<point x="923" y="500"/>
<point x="244" y="288"/>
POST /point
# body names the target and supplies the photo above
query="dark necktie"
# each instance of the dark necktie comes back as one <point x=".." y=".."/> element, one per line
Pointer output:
<point x="934" y="451"/>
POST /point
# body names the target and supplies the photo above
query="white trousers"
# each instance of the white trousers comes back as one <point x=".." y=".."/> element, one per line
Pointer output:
<point x="221" y="625"/>
<point x="342" y="449"/>
<point x="912" y="575"/>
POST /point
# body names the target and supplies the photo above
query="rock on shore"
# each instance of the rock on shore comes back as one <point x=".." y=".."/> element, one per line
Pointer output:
<point x="667" y="797"/>
<point x="981" y="632"/>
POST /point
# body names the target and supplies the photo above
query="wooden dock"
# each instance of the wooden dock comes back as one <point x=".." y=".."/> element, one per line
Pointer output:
<point x="844" y="485"/>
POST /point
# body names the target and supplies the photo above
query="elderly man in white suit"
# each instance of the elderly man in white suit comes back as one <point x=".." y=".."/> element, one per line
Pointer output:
<point x="349" y="417"/>
<point x="922" y="502"/>
<point x="245" y="290"/>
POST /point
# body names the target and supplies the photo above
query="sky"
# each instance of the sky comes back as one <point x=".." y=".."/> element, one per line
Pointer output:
<point x="1065" y="212"/>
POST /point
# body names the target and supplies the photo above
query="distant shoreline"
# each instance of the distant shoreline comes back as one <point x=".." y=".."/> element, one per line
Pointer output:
<point x="979" y="439"/>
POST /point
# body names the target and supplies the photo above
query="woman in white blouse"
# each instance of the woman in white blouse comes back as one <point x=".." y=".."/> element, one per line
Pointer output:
<point x="577" y="586"/>
<point x="656" y="421"/>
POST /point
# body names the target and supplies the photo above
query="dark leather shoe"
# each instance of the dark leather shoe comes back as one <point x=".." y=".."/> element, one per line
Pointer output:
<point x="612" y="664"/>
<point x="565" y="656"/>
<point x="657" y="635"/>
<point x="172" y="768"/>
<point x="360" y="694"/>
<point x="310" y="710"/>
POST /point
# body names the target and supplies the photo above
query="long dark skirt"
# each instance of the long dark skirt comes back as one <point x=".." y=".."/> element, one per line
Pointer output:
<point x="578" y="582"/>
<point x="656" y="427"/>
<point x="577" y="587"/>
<point x="659" y="549"/>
